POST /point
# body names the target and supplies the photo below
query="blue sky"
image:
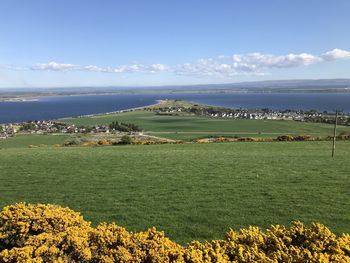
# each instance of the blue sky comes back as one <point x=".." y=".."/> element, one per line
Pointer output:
<point x="139" y="43"/>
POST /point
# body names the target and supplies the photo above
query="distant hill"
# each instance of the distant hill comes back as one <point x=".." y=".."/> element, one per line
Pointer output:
<point x="302" y="85"/>
<point x="284" y="86"/>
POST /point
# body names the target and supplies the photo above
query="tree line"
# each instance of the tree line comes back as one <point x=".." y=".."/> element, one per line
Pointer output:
<point x="124" y="127"/>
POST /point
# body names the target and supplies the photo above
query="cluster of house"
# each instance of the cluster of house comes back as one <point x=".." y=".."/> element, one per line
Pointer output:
<point x="271" y="115"/>
<point x="263" y="114"/>
<point x="47" y="127"/>
<point x="8" y="130"/>
<point x="38" y="127"/>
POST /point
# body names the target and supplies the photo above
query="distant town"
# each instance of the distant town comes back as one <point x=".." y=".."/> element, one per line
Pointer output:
<point x="174" y="108"/>
<point x="55" y="127"/>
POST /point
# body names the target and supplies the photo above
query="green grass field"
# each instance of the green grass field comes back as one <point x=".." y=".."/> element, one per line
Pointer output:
<point x="192" y="191"/>
<point x="189" y="127"/>
<point x="21" y="141"/>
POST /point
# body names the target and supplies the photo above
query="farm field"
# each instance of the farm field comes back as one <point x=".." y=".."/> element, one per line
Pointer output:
<point x="190" y="127"/>
<point x="21" y="141"/>
<point x="192" y="191"/>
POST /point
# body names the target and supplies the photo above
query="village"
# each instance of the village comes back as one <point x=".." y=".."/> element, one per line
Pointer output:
<point x="253" y="114"/>
<point x="54" y="127"/>
<point x="38" y="127"/>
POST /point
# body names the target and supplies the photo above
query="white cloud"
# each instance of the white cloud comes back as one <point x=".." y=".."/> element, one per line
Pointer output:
<point x="245" y="64"/>
<point x="55" y="66"/>
<point x="93" y="68"/>
<point x="221" y="66"/>
<point x="159" y="67"/>
<point x="259" y="60"/>
<point x="140" y="68"/>
<point x="336" y="54"/>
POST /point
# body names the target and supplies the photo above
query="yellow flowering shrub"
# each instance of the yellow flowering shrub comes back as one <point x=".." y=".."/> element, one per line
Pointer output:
<point x="49" y="233"/>
<point x="104" y="142"/>
<point x="214" y="251"/>
<point x="43" y="233"/>
<point x="156" y="247"/>
<point x="112" y="243"/>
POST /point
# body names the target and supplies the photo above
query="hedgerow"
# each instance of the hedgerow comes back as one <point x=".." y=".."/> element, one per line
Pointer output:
<point x="50" y="233"/>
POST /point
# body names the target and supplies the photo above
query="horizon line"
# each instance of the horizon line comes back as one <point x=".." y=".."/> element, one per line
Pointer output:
<point x="178" y="85"/>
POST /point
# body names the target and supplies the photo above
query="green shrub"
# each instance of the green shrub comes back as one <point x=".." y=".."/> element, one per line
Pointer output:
<point x="73" y="142"/>
<point x="285" y="138"/>
<point x="126" y="139"/>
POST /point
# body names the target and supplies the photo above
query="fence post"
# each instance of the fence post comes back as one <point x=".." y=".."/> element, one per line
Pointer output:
<point x="334" y="133"/>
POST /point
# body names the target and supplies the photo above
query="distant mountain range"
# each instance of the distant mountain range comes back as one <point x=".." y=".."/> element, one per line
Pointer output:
<point x="300" y="83"/>
<point x="280" y="86"/>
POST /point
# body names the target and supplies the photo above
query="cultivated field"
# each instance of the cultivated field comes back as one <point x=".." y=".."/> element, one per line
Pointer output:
<point x="192" y="191"/>
<point x="189" y="127"/>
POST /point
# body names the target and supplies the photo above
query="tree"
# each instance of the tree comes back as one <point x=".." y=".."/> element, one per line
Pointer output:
<point x="126" y="139"/>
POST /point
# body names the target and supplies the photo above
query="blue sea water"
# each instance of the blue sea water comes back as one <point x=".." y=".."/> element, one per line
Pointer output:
<point x="65" y="106"/>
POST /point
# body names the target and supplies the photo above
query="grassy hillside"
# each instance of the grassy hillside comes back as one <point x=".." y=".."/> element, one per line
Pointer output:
<point x="21" y="141"/>
<point x="192" y="191"/>
<point x="188" y="127"/>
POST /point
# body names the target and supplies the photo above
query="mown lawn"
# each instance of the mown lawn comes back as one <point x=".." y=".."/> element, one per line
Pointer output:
<point x="189" y="127"/>
<point x="192" y="191"/>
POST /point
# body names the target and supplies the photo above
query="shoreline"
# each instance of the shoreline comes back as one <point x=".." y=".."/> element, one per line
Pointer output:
<point x="35" y="96"/>
<point x="20" y="99"/>
<point x="158" y="102"/>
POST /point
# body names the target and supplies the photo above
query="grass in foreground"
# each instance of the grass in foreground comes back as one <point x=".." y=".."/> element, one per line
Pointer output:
<point x="191" y="191"/>
<point x="190" y="127"/>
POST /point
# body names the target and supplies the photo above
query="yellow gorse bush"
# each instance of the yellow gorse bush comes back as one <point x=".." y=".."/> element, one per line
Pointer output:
<point x="41" y="233"/>
<point x="50" y="233"/>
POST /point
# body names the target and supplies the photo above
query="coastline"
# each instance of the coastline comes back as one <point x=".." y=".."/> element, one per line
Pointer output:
<point x="20" y="99"/>
<point x="37" y="97"/>
<point x="158" y="102"/>
<point x="6" y="96"/>
<point x="10" y="113"/>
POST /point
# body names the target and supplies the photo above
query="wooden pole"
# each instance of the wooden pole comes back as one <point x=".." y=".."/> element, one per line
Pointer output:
<point x="334" y="133"/>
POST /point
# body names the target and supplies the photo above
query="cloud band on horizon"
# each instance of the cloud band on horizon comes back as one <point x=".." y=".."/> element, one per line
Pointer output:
<point x="221" y="66"/>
